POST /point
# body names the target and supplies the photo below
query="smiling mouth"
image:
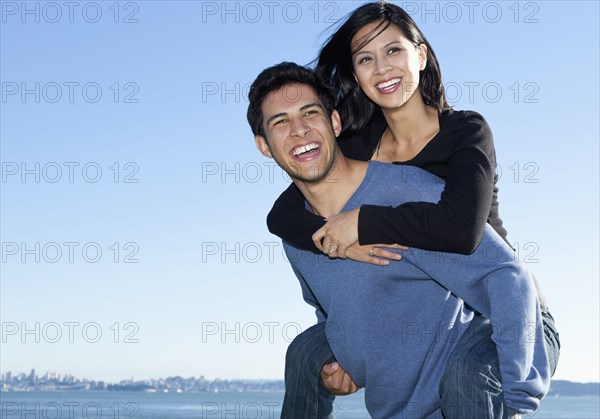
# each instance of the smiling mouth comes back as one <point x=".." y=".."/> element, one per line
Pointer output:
<point x="389" y="85"/>
<point x="305" y="150"/>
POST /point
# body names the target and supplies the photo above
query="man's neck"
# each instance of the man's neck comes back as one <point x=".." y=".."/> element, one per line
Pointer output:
<point x="329" y="196"/>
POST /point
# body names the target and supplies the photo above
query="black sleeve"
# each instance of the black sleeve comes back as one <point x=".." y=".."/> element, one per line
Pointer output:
<point x="290" y="220"/>
<point x="455" y="224"/>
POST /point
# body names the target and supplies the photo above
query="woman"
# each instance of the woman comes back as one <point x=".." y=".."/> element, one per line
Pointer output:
<point x="393" y="108"/>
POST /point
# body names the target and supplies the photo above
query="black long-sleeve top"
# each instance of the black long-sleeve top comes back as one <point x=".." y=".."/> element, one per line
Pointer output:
<point x="462" y="153"/>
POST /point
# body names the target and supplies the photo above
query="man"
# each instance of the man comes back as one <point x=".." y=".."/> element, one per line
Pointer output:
<point x="394" y="329"/>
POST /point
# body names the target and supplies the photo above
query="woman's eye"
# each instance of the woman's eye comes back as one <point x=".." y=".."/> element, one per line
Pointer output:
<point x="311" y="112"/>
<point x="393" y="50"/>
<point x="364" y="60"/>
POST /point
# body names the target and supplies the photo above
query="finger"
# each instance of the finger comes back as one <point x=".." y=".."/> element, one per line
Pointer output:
<point x="318" y="238"/>
<point x="374" y="260"/>
<point x="334" y="382"/>
<point x="329" y="369"/>
<point x="338" y="381"/>
<point x="332" y="250"/>
<point x="346" y="384"/>
<point x="359" y="256"/>
<point x="341" y="251"/>
<point x="331" y="247"/>
<point x="382" y="253"/>
<point x="377" y="261"/>
<point x="329" y="381"/>
<point x="326" y="380"/>
<point x="349" y="385"/>
<point x="393" y="246"/>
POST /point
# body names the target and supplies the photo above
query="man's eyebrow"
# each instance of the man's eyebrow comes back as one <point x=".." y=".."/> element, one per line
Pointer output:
<point x="310" y="105"/>
<point x="277" y="115"/>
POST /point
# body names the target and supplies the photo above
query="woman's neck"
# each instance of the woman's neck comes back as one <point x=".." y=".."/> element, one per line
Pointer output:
<point x="410" y="128"/>
<point x="412" y="123"/>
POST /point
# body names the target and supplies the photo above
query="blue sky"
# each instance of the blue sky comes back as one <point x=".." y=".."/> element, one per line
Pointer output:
<point x="130" y="174"/>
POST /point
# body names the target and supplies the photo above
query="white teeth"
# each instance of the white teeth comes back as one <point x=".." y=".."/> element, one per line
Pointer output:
<point x="388" y="83"/>
<point x="305" y="148"/>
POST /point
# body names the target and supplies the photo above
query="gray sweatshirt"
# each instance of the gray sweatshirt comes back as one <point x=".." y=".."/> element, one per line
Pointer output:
<point x="393" y="328"/>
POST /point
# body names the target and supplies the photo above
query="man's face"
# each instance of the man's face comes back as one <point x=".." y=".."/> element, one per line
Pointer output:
<point x="300" y="136"/>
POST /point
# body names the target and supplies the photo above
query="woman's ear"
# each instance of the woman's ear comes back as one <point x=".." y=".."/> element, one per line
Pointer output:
<point x="422" y="49"/>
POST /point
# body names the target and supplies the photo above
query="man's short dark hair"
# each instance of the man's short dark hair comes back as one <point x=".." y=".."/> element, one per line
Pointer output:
<point x="276" y="77"/>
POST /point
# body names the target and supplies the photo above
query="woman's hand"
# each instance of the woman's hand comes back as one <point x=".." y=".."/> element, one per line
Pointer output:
<point x="338" y="238"/>
<point x="338" y="234"/>
<point x="375" y="254"/>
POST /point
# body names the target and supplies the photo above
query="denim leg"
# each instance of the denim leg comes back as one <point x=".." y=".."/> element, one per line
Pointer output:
<point x="305" y="396"/>
<point x="471" y="379"/>
<point x="471" y="386"/>
<point x="552" y="340"/>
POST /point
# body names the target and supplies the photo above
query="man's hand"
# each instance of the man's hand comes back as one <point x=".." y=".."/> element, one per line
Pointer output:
<point x="337" y="381"/>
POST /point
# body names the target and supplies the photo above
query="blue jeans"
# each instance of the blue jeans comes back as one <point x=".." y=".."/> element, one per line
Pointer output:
<point x="305" y="395"/>
<point x="470" y="386"/>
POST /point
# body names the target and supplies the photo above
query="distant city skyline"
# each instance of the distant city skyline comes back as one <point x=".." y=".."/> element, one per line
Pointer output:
<point x="57" y="382"/>
<point x="51" y="381"/>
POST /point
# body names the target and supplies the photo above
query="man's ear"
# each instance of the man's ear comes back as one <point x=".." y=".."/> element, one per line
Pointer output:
<point x="422" y="49"/>
<point x="263" y="147"/>
<point x="336" y="123"/>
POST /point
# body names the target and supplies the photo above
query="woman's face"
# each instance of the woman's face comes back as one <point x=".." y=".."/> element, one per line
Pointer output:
<point x="387" y="67"/>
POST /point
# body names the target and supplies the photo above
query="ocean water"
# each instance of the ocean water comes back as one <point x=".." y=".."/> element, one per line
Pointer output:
<point x="126" y="405"/>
